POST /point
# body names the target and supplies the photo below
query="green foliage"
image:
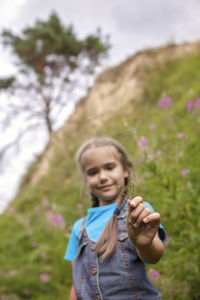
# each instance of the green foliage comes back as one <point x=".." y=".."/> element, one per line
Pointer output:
<point x="49" y="45"/>
<point x="6" y="83"/>
<point x="52" y="62"/>
<point x="163" y="144"/>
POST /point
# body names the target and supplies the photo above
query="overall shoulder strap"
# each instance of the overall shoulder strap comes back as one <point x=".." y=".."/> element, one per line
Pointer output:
<point x="123" y="213"/>
<point x="82" y="227"/>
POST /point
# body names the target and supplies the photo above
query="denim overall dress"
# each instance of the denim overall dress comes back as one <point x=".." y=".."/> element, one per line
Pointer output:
<point x="121" y="276"/>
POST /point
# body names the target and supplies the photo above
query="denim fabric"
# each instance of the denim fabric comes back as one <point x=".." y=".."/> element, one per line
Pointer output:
<point x="121" y="276"/>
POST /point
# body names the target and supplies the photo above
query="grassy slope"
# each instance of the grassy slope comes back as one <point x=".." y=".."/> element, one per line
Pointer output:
<point x="31" y="245"/>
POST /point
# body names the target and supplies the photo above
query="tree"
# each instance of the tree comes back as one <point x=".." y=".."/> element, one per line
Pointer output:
<point x="51" y="61"/>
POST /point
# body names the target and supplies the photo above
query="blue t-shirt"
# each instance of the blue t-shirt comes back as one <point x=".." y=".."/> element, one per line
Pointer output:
<point x="97" y="219"/>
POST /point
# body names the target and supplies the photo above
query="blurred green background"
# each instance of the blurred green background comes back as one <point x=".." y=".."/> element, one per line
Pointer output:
<point x="162" y="138"/>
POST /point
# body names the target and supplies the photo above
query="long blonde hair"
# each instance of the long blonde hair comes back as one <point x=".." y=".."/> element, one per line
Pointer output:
<point x="107" y="242"/>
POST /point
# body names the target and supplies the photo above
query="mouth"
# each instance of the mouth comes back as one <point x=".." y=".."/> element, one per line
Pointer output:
<point x="105" y="187"/>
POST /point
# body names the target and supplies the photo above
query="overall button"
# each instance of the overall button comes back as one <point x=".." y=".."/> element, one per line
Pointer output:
<point x="97" y="298"/>
<point x="94" y="271"/>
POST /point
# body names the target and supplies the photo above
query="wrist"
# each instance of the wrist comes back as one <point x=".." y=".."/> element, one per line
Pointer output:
<point x="152" y="252"/>
<point x="143" y="247"/>
<point x="141" y="243"/>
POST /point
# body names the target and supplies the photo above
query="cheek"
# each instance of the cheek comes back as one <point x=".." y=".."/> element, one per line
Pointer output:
<point x="118" y="174"/>
<point x="91" y="181"/>
<point x="119" y="178"/>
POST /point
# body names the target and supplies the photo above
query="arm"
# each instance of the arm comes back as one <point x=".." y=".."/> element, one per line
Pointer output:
<point x="152" y="253"/>
<point x="142" y="228"/>
<point x="72" y="295"/>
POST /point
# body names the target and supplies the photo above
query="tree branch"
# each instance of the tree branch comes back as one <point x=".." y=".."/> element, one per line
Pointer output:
<point x="16" y="142"/>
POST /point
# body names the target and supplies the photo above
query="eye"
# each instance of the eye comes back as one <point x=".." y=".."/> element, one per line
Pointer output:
<point x="92" y="172"/>
<point x="110" y="166"/>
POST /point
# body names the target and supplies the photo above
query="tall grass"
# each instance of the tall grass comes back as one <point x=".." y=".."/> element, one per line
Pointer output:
<point x="163" y="142"/>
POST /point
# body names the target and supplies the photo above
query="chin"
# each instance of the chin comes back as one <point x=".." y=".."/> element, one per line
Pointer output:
<point x="109" y="198"/>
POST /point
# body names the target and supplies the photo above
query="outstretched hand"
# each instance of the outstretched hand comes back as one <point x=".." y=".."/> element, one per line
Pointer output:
<point x="142" y="223"/>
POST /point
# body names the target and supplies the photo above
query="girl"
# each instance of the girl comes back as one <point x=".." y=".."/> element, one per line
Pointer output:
<point x="109" y="247"/>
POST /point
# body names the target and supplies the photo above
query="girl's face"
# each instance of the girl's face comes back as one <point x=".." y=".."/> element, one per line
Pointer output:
<point x="104" y="173"/>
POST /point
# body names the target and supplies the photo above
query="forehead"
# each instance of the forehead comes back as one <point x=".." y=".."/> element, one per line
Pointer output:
<point x="96" y="157"/>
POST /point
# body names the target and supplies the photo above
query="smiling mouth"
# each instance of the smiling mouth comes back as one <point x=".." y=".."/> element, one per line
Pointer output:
<point x="105" y="187"/>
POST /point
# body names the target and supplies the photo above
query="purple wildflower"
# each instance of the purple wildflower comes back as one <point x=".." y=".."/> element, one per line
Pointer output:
<point x="79" y="206"/>
<point x="168" y="102"/>
<point x="11" y="209"/>
<point x="143" y="141"/>
<point x="141" y="160"/>
<point x="43" y="255"/>
<point x="180" y="135"/>
<point x="45" y="202"/>
<point x="165" y="102"/>
<point x="161" y="103"/>
<point x="197" y="103"/>
<point x="167" y="241"/>
<point x="184" y="172"/>
<point x="152" y="126"/>
<point x="44" y="277"/>
<point x="58" y="221"/>
<point x="153" y="274"/>
<point x="139" y="143"/>
<point x="190" y="106"/>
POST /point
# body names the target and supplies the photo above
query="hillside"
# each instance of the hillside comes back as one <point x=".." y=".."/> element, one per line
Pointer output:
<point x="151" y="104"/>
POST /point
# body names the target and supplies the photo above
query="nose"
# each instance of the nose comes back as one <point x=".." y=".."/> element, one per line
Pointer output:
<point x="103" y="176"/>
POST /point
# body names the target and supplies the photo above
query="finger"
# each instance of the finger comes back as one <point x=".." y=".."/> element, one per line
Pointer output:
<point x="153" y="218"/>
<point x="134" y="203"/>
<point x="144" y="214"/>
<point x="136" y="212"/>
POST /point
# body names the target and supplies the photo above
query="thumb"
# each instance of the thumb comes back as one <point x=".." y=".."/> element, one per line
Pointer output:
<point x="130" y="208"/>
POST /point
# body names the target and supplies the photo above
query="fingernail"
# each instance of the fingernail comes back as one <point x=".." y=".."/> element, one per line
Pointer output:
<point x="145" y="220"/>
<point x="138" y="198"/>
<point x="133" y="203"/>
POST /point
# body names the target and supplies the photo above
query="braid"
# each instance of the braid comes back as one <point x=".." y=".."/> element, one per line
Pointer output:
<point x="107" y="242"/>
<point x="121" y="203"/>
<point x="123" y="200"/>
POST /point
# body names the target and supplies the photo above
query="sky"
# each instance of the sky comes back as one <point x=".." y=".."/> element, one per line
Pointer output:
<point x="132" y="26"/>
